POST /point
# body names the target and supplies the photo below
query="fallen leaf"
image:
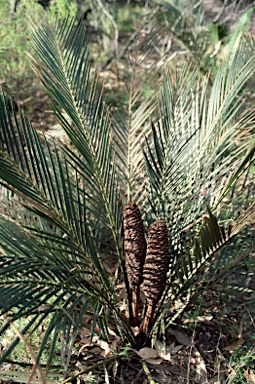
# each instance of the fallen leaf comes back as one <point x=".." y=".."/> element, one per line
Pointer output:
<point x="165" y="354"/>
<point x="201" y="367"/>
<point x="106" y="376"/>
<point x="106" y="348"/>
<point x="154" y="361"/>
<point x="111" y="332"/>
<point x="202" y="319"/>
<point x="213" y="380"/>
<point x="250" y="376"/>
<point x="205" y="318"/>
<point x="234" y="345"/>
<point x="135" y="330"/>
<point x="96" y="350"/>
<point x="147" y="353"/>
<point x="123" y="307"/>
<point x="115" y="368"/>
<point x="115" y="342"/>
<point x="85" y="331"/>
<point x="181" y="337"/>
<point x="176" y="349"/>
<point x="95" y="338"/>
<point x="84" y="341"/>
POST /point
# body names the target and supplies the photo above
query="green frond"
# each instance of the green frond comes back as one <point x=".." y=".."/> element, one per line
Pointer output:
<point x="71" y="196"/>
<point x="77" y="97"/>
<point x="244" y="165"/>
<point x="61" y="282"/>
<point x="131" y="125"/>
<point x="192" y="149"/>
<point x="211" y="239"/>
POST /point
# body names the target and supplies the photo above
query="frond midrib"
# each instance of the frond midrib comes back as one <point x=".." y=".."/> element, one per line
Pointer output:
<point x="98" y="173"/>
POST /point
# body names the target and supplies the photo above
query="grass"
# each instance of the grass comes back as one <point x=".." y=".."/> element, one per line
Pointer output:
<point x="242" y="363"/>
<point x="20" y="353"/>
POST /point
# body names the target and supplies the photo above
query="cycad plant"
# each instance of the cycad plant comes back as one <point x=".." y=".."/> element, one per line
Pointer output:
<point x="177" y="157"/>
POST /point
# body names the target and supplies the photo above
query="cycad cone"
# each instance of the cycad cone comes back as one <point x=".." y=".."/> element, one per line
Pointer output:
<point x="135" y="251"/>
<point x="155" y="269"/>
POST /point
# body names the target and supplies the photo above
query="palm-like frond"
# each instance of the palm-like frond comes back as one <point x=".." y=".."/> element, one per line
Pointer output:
<point x="38" y="274"/>
<point x="77" y="99"/>
<point x="74" y="193"/>
<point x="131" y="126"/>
<point x="50" y="275"/>
<point x="191" y="158"/>
<point x="195" y="266"/>
<point x="193" y="149"/>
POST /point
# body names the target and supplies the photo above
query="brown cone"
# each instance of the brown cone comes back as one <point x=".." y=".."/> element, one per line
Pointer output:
<point x="155" y="268"/>
<point x="135" y="251"/>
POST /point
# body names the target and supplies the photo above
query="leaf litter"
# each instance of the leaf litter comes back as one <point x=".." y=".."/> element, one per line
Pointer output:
<point x="200" y="351"/>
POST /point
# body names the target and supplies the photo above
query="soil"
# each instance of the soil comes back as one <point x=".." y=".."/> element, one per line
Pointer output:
<point x="211" y="348"/>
